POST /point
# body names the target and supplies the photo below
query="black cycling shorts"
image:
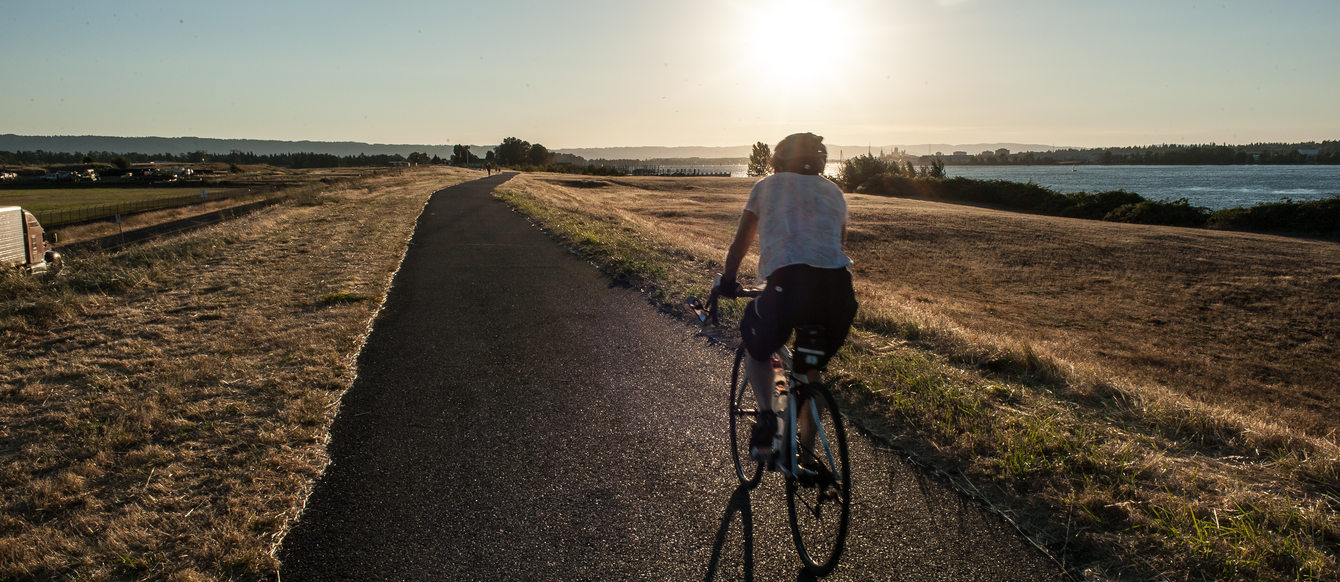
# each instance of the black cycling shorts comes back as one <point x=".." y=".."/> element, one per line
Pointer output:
<point x="800" y="295"/>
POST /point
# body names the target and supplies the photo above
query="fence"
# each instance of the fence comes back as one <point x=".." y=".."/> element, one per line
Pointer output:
<point x="123" y="239"/>
<point x="81" y="214"/>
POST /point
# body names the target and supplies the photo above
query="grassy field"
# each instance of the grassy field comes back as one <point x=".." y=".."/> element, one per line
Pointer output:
<point x="44" y="199"/>
<point x="164" y="410"/>
<point x="1146" y="402"/>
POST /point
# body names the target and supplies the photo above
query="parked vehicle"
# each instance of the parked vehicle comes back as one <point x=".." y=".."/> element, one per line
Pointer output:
<point x="61" y="176"/>
<point x="22" y="245"/>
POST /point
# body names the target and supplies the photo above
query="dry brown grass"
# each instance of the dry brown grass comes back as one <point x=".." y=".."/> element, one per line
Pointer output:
<point x="1246" y="321"/>
<point x="94" y="230"/>
<point x="164" y="410"/>
<point x="1145" y="401"/>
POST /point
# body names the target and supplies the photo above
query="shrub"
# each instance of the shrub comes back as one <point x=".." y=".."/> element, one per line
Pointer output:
<point x="1097" y="206"/>
<point x="861" y="169"/>
<point x="1315" y="217"/>
<point x="1175" y="213"/>
<point x="890" y="184"/>
<point x="1013" y="195"/>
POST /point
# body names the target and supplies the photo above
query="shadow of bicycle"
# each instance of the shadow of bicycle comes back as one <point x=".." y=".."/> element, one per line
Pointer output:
<point x="739" y="506"/>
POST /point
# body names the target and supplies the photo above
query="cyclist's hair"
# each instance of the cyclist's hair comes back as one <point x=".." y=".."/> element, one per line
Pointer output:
<point x="802" y="153"/>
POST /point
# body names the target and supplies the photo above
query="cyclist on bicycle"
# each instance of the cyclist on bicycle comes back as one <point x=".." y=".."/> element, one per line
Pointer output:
<point x="800" y="220"/>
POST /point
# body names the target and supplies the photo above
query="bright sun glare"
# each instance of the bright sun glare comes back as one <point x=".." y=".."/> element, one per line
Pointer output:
<point x="794" y="44"/>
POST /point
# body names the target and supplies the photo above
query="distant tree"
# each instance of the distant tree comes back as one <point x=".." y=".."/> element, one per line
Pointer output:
<point x="460" y="154"/>
<point x="857" y="171"/>
<point x="570" y="159"/>
<point x="121" y="163"/>
<point x="538" y="155"/>
<point x="418" y="158"/>
<point x="760" y="160"/>
<point x="512" y="151"/>
<point x="937" y="168"/>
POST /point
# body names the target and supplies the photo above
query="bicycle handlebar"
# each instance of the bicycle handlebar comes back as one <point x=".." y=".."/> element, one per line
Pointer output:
<point x="709" y="310"/>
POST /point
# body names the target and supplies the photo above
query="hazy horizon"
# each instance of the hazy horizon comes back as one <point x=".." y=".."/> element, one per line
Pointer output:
<point x="215" y="146"/>
<point x="600" y="73"/>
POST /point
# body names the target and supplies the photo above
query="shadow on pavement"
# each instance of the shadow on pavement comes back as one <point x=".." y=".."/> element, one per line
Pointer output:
<point x="739" y="503"/>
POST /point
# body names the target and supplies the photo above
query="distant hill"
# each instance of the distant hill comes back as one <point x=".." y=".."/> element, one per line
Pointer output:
<point x="182" y="145"/>
<point x="834" y="151"/>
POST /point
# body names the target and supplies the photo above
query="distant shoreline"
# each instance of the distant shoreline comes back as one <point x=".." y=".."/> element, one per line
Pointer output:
<point x="951" y="154"/>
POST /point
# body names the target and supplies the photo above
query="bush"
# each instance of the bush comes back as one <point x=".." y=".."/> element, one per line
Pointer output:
<point x="856" y="172"/>
<point x="894" y="185"/>
<point x="1313" y="217"/>
<point x="1097" y="206"/>
<point x="1176" y="213"/>
<point x="1013" y="195"/>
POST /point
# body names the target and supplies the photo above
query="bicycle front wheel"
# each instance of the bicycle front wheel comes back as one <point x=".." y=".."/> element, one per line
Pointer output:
<point x="743" y="413"/>
<point x="818" y="498"/>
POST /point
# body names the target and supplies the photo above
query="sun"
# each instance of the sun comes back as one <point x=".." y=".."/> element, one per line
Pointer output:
<point x="792" y="44"/>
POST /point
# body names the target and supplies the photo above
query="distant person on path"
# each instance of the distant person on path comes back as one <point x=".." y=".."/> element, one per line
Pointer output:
<point x="800" y="220"/>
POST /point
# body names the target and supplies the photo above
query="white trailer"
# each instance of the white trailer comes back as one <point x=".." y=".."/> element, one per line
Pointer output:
<point x="21" y="243"/>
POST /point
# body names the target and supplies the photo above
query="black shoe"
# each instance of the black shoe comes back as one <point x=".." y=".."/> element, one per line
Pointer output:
<point x="811" y="473"/>
<point x="760" y="440"/>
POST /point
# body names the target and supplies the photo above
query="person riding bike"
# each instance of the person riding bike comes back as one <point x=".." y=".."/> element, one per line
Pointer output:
<point x="800" y="220"/>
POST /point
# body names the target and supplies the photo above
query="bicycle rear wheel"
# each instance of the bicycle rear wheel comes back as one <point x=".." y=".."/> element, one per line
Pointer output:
<point x="743" y="413"/>
<point x="819" y="501"/>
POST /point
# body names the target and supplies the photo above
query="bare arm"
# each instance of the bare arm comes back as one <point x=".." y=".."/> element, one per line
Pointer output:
<point x="744" y="237"/>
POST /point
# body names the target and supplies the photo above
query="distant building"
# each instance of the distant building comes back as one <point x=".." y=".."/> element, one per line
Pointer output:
<point x="1309" y="153"/>
<point x="958" y="159"/>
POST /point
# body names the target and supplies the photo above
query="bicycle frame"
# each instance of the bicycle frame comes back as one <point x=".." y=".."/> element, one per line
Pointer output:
<point x="790" y="468"/>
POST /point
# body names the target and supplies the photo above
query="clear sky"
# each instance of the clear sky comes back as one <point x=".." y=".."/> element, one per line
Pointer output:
<point x="591" y="73"/>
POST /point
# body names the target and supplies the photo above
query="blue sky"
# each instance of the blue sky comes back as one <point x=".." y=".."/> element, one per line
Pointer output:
<point x="591" y="73"/>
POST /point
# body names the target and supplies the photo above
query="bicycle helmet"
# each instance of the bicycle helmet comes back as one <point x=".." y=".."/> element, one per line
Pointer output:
<point x="802" y="153"/>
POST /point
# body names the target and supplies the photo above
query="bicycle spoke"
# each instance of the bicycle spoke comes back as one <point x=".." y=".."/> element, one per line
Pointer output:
<point x="819" y="498"/>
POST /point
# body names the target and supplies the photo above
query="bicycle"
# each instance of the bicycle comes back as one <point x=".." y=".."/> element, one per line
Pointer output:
<point x="813" y="466"/>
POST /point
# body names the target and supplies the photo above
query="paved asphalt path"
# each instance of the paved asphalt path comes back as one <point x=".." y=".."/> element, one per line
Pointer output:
<point x="516" y="416"/>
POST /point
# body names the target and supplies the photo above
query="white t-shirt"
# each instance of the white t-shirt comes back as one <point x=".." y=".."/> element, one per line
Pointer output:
<point x="800" y="220"/>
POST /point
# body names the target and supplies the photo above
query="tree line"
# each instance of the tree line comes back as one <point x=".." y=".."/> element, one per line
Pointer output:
<point x="512" y="152"/>
<point x="297" y="160"/>
<point x="1326" y="152"/>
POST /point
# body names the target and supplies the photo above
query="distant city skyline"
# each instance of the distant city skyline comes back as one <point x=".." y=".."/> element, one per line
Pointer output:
<point x="611" y="73"/>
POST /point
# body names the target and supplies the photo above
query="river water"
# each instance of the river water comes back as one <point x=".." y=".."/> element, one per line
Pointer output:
<point x="1213" y="187"/>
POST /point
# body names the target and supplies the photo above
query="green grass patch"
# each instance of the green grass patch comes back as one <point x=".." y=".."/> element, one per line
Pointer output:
<point x="47" y="199"/>
<point x="617" y="249"/>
